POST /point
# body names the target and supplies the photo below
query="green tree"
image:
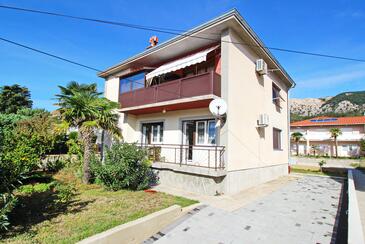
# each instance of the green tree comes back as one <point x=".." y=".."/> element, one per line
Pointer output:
<point x="362" y="146"/>
<point x="335" y="133"/>
<point x="81" y="106"/>
<point x="13" y="98"/>
<point x="296" y="136"/>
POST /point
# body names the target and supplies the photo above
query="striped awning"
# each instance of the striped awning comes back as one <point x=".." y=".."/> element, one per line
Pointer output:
<point x="180" y="63"/>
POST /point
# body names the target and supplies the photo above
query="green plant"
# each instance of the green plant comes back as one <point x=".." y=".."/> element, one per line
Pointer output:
<point x="335" y="132"/>
<point x="81" y="106"/>
<point x="362" y="146"/>
<point x="125" y="166"/>
<point x="7" y="203"/>
<point x="297" y="136"/>
<point x="40" y="187"/>
<point x="54" y="165"/>
<point x="74" y="145"/>
<point x="64" y="192"/>
<point x="321" y="163"/>
<point x="13" y="98"/>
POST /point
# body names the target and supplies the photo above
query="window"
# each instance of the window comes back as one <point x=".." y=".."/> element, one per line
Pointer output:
<point x="206" y="132"/>
<point x="276" y="139"/>
<point x="132" y="82"/>
<point x="201" y="132"/>
<point x="211" y="132"/>
<point x="152" y="133"/>
<point x="276" y="95"/>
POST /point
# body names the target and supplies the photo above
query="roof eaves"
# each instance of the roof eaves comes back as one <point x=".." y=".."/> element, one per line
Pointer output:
<point x="168" y="42"/>
<point x="230" y="13"/>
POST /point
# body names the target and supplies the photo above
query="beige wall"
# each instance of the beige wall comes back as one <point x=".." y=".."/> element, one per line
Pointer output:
<point x="248" y="95"/>
<point x="111" y="88"/>
<point x="172" y="124"/>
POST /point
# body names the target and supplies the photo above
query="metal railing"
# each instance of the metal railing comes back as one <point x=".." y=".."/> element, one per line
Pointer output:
<point x="204" y="156"/>
<point x="201" y="84"/>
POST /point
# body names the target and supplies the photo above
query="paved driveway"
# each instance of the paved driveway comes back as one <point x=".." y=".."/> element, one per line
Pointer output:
<point x="303" y="211"/>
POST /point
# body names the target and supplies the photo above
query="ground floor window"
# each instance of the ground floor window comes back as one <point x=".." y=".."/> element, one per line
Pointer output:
<point x="276" y="139"/>
<point x="152" y="133"/>
<point x="200" y="132"/>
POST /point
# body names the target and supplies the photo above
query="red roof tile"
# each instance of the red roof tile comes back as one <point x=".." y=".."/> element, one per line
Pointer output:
<point x="319" y="121"/>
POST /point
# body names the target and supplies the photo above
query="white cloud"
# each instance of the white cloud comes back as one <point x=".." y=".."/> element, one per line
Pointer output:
<point x="329" y="78"/>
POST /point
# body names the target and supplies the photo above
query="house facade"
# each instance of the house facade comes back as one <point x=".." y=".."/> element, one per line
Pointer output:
<point x="165" y="93"/>
<point x="317" y="138"/>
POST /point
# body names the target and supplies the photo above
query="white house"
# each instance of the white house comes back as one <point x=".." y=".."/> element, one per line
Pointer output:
<point x="165" y="91"/>
<point x="317" y="137"/>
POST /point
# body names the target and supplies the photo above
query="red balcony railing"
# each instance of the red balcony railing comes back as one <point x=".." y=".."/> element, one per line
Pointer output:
<point x="202" y="84"/>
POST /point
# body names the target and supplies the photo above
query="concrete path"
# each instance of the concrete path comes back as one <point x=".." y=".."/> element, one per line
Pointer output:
<point x="359" y="178"/>
<point x="302" y="211"/>
<point x="231" y="202"/>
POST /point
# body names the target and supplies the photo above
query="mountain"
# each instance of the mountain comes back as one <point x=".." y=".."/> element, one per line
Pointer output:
<point x="343" y="104"/>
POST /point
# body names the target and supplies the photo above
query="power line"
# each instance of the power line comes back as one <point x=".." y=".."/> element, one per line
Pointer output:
<point x="49" y="54"/>
<point x="173" y="32"/>
<point x="76" y="63"/>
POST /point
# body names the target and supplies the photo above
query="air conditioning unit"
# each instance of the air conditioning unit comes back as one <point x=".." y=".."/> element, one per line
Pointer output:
<point x="261" y="67"/>
<point x="263" y="120"/>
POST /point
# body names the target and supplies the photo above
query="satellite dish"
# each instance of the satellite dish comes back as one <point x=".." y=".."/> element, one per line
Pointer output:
<point x="218" y="107"/>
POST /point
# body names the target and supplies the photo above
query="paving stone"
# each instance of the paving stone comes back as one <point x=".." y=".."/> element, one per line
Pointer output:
<point x="302" y="211"/>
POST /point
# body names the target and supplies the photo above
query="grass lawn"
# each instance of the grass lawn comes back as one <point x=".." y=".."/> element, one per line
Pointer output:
<point x="39" y="218"/>
<point x="304" y="169"/>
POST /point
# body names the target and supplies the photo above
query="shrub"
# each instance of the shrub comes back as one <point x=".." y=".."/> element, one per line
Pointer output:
<point x="125" y="166"/>
<point x="40" y="187"/>
<point x="321" y="163"/>
<point x="7" y="203"/>
<point x="54" y="165"/>
<point x="64" y="192"/>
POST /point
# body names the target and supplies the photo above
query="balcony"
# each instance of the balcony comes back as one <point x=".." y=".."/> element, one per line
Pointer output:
<point x="189" y="92"/>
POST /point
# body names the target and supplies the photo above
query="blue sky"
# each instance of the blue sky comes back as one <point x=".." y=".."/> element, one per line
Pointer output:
<point x="328" y="26"/>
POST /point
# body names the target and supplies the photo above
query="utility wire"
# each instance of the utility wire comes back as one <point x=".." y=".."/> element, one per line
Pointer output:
<point x="77" y="63"/>
<point x="49" y="54"/>
<point x="173" y="32"/>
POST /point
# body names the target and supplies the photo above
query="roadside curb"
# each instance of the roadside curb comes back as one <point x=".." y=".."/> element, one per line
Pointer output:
<point x="355" y="233"/>
<point x="140" y="229"/>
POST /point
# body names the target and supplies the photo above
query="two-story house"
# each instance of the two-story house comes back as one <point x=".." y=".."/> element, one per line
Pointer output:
<point x="165" y="92"/>
<point x="317" y="139"/>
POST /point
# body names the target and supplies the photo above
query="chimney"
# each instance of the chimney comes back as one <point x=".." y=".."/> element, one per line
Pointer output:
<point x="153" y="41"/>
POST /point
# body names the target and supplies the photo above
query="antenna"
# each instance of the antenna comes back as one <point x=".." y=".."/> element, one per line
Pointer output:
<point x="218" y="107"/>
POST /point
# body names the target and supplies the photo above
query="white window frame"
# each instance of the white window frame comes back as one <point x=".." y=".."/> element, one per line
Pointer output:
<point x="206" y="133"/>
<point x="197" y="132"/>
<point x="158" y="141"/>
<point x="159" y="129"/>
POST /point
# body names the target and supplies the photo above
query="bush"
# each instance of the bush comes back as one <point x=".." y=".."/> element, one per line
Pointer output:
<point x="7" y="203"/>
<point x="54" y="165"/>
<point x="64" y="192"/>
<point x="321" y="163"/>
<point x="39" y="188"/>
<point x="125" y="166"/>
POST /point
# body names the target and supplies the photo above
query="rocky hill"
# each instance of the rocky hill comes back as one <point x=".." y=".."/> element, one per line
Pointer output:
<point x="343" y="104"/>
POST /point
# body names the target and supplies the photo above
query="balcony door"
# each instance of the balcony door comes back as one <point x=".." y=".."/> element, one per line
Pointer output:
<point x="189" y="134"/>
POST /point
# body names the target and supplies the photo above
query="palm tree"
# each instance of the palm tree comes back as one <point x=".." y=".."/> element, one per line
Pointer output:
<point x="335" y="132"/>
<point x="296" y="136"/>
<point x="81" y="106"/>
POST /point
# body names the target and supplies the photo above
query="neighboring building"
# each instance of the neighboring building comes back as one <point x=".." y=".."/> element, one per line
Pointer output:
<point x="317" y="137"/>
<point x="165" y="92"/>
